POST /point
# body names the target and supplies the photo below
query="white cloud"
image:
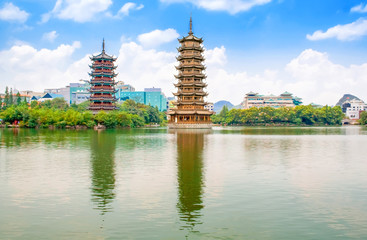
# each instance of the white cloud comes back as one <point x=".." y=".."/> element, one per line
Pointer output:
<point x="345" y="32"/>
<point x="216" y="56"/>
<point x="29" y="68"/>
<point x="77" y="10"/>
<point x="129" y="6"/>
<point x="231" y="6"/>
<point x="144" y="68"/>
<point x="361" y="8"/>
<point x="50" y="36"/>
<point x="10" y="12"/>
<point x="157" y="37"/>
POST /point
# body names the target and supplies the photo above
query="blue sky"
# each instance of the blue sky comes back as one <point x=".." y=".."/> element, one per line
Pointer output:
<point x="314" y="49"/>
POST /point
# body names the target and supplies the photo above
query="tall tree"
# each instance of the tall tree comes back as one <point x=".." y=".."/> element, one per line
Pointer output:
<point x="11" y="99"/>
<point x="6" y="99"/>
<point x="19" y="99"/>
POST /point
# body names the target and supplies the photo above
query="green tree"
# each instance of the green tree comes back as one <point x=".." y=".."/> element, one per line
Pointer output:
<point x="363" y="118"/>
<point x="11" y="99"/>
<point x="59" y="103"/>
<point x="6" y="98"/>
<point x="18" y="99"/>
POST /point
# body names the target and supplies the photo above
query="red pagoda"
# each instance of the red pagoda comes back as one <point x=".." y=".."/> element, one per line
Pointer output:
<point x="102" y="82"/>
<point x="190" y="111"/>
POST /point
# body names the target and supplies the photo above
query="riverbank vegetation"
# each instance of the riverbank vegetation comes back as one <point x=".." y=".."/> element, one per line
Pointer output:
<point x="363" y="118"/>
<point x="57" y="113"/>
<point x="300" y="115"/>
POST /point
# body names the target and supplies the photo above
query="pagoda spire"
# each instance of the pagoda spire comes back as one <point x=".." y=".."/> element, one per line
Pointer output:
<point x="103" y="46"/>
<point x="190" y="33"/>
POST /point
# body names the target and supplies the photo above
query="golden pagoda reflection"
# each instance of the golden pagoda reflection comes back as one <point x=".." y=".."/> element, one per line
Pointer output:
<point x="190" y="144"/>
<point x="103" y="147"/>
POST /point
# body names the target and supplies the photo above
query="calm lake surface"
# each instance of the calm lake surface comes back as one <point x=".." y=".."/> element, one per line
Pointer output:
<point x="225" y="183"/>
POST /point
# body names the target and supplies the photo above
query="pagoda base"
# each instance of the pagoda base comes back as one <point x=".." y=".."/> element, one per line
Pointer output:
<point x="190" y="126"/>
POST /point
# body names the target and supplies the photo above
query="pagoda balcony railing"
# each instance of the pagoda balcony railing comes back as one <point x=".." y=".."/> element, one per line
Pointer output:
<point x="197" y="65"/>
<point x="103" y="98"/>
<point x="102" y="81"/>
<point x="191" y="93"/>
<point x="103" y="72"/>
<point x="189" y="56"/>
<point x="190" y="102"/>
<point x="184" y="74"/>
<point x="102" y="89"/>
<point x="183" y="48"/>
<point x="191" y="83"/>
<point x="100" y="73"/>
<point x="102" y="65"/>
<point x="102" y="106"/>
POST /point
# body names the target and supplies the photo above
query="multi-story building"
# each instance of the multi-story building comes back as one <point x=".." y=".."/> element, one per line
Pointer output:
<point x="150" y="96"/>
<point x="122" y="87"/>
<point x="355" y="108"/>
<point x="283" y="100"/>
<point x="189" y="111"/>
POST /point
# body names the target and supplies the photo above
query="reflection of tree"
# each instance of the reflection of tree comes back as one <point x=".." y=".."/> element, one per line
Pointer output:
<point x="190" y="177"/>
<point x="103" y="169"/>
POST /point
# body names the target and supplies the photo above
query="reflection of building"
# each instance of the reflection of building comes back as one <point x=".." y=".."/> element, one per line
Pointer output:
<point x="283" y="100"/>
<point x="102" y="82"/>
<point x="189" y="111"/>
<point x="190" y="176"/>
<point x="355" y="108"/>
<point x="103" y="146"/>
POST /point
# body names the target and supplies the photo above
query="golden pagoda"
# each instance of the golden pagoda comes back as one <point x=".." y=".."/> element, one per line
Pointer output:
<point x="189" y="110"/>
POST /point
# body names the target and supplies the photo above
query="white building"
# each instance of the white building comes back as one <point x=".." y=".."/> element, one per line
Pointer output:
<point x="283" y="100"/>
<point x="356" y="107"/>
<point x="209" y="106"/>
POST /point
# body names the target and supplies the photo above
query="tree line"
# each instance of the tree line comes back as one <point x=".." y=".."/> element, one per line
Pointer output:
<point x="299" y="115"/>
<point x="57" y="113"/>
<point x="10" y="99"/>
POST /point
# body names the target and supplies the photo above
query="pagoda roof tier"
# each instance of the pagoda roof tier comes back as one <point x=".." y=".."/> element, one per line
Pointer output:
<point x="182" y="66"/>
<point x="183" y="48"/>
<point x="180" y="75"/>
<point x="191" y="84"/>
<point x="181" y="57"/>
<point x="191" y="93"/>
<point x="102" y="66"/>
<point x="103" y="56"/>
<point x="102" y="90"/>
<point x="190" y="111"/>
<point x="190" y="37"/>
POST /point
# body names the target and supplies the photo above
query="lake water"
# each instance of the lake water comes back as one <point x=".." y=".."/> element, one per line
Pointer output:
<point x="225" y="183"/>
